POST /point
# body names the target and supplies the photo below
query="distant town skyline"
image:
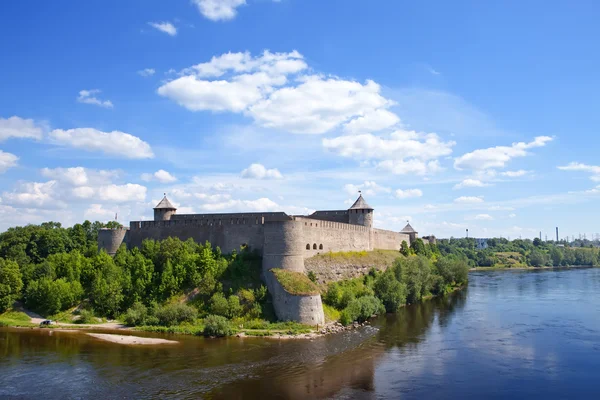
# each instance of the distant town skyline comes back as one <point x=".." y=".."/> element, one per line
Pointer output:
<point x="454" y="116"/>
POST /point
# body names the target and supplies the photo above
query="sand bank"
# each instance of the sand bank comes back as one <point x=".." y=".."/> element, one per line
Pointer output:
<point x="123" y="339"/>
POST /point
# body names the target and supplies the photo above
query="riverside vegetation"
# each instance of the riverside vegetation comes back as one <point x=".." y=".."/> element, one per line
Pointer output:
<point x="186" y="287"/>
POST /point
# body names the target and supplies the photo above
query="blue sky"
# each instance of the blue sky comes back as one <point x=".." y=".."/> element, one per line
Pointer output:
<point x="456" y="115"/>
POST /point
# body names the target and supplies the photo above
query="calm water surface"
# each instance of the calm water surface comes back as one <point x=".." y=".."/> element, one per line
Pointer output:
<point x="511" y="334"/>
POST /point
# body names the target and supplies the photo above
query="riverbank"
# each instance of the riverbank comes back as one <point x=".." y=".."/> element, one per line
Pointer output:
<point x="528" y="268"/>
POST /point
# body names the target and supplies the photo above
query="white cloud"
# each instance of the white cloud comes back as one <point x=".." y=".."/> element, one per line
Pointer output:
<point x="161" y="176"/>
<point x="146" y="72"/>
<point x="484" y="217"/>
<point x="515" y="174"/>
<point x="165" y="27"/>
<point x="7" y="160"/>
<point x="470" y="183"/>
<point x="499" y="156"/>
<point x="97" y="212"/>
<point x="368" y="188"/>
<point x="408" y="193"/>
<point x="122" y="193"/>
<point x="114" y="143"/>
<point x="218" y="10"/>
<point x="512" y="215"/>
<point x="75" y="176"/>
<point x="401" y="152"/>
<point x="88" y="97"/>
<point x="33" y="195"/>
<point x="373" y="121"/>
<point x="575" y="166"/>
<point x="17" y="127"/>
<point x="258" y="171"/>
<point x="259" y="88"/>
<point x="469" y="199"/>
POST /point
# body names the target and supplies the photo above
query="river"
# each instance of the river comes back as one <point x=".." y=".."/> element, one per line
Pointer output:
<point x="510" y="334"/>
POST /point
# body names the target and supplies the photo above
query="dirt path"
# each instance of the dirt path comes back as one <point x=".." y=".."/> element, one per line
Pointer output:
<point x="37" y="319"/>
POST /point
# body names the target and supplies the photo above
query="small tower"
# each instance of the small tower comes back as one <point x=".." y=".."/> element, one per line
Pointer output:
<point x="412" y="234"/>
<point x="361" y="213"/>
<point x="164" y="210"/>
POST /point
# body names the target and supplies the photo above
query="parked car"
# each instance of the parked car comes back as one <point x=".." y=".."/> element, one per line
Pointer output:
<point x="47" y="322"/>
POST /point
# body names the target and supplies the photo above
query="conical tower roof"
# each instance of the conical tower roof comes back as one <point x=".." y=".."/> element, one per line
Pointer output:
<point x="408" y="229"/>
<point x="165" y="204"/>
<point x="360" y="204"/>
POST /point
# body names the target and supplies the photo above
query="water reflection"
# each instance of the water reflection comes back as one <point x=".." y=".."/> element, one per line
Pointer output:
<point x="511" y="334"/>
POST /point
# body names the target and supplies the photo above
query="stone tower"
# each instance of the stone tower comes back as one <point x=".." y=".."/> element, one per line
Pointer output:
<point x="163" y="210"/>
<point x="361" y="213"/>
<point x="412" y="234"/>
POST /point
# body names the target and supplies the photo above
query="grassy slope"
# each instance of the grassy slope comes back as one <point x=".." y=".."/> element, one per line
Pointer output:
<point x="15" y="318"/>
<point x="295" y="283"/>
<point x="368" y="258"/>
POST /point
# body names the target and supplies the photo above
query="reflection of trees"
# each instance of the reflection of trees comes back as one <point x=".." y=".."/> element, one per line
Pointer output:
<point x="336" y="365"/>
<point x="410" y="324"/>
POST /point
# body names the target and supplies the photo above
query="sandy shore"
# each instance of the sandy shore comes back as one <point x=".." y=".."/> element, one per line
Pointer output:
<point x="122" y="339"/>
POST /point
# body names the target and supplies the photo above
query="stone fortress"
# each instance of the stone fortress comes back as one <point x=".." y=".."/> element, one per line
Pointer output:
<point x="283" y="240"/>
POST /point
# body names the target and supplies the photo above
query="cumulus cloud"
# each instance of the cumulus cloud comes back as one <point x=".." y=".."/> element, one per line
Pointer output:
<point x="33" y="195"/>
<point x="373" y="121"/>
<point x="165" y="27"/>
<point x="146" y="72"/>
<point x="17" y="127"/>
<point x="400" y="152"/>
<point x="115" y="143"/>
<point x="259" y="171"/>
<point x="97" y="212"/>
<point x="499" y="156"/>
<point x="484" y="217"/>
<point x="88" y="97"/>
<point x="79" y="176"/>
<point x="469" y="182"/>
<point x="369" y="188"/>
<point x="161" y="176"/>
<point x="575" y="166"/>
<point x="408" y="193"/>
<point x="218" y="10"/>
<point x="469" y="199"/>
<point x="122" y="193"/>
<point x="7" y="160"/>
<point x="259" y="87"/>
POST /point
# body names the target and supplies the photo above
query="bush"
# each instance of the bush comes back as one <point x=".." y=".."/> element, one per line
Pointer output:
<point x="390" y="291"/>
<point x="234" y="308"/>
<point x="217" y="325"/>
<point x="136" y="315"/>
<point x="361" y="309"/>
<point x="219" y="304"/>
<point x="86" y="317"/>
<point x="173" y="314"/>
<point x="312" y="276"/>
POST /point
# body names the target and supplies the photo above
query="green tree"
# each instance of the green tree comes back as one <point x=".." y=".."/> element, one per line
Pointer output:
<point x="10" y="283"/>
<point x="556" y="256"/>
<point x="405" y="249"/>
<point x="390" y="291"/>
<point x="419" y="247"/>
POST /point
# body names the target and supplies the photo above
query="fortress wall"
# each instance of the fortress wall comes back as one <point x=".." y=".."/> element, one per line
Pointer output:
<point x="333" y="236"/>
<point x="332" y="215"/>
<point x="283" y="246"/>
<point x="110" y="240"/>
<point x="388" y="240"/>
<point x="227" y="236"/>
<point x="288" y="307"/>
<point x="231" y="218"/>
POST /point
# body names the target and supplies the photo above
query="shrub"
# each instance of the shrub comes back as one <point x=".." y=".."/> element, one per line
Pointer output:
<point x="219" y="304"/>
<point x="234" y="308"/>
<point x="136" y="315"/>
<point x="173" y="314"/>
<point x="361" y="309"/>
<point x="390" y="291"/>
<point x="86" y="317"/>
<point x="312" y="276"/>
<point x="217" y="325"/>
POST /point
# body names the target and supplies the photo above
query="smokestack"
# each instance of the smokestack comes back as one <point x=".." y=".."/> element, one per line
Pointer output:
<point x="557" y="234"/>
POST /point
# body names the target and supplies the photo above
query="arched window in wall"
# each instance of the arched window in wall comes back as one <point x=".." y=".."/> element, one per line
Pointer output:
<point x="321" y="246"/>
<point x="308" y="246"/>
<point x="314" y="246"/>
